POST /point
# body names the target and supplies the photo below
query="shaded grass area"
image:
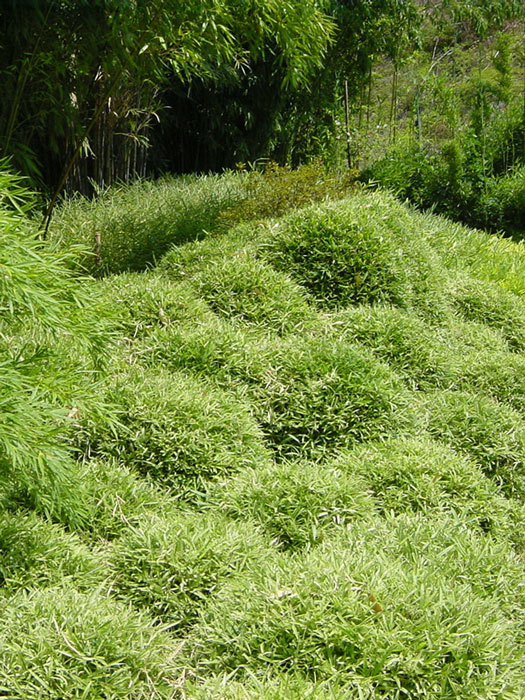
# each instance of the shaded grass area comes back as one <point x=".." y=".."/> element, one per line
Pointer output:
<point x="297" y="473"/>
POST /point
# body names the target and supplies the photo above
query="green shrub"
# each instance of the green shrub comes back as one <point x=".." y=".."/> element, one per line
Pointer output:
<point x="171" y="566"/>
<point x="185" y="260"/>
<point x="34" y="552"/>
<point x="115" y="498"/>
<point x="500" y="375"/>
<point x="278" y="189"/>
<point x="226" y="273"/>
<point x="421" y="475"/>
<point x="455" y="355"/>
<point x="364" y="249"/>
<point x="297" y="503"/>
<point x="142" y="301"/>
<point x="395" y="607"/>
<point x="308" y="394"/>
<point x="504" y="203"/>
<point x="492" y="434"/>
<point x="245" y="289"/>
<point x="59" y="643"/>
<point x="137" y="224"/>
<point x="41" y="304"/>
<point x="175" y="428"/>
<point x="317" y="395"/>
<point x="275" y="687"/>
<point x="487" y="303"/>
<point x="490" y="258"/>
<point x="458" y="180"/>
<point x="398" y="337"/>
<point x="464" y="337"/>
<point x="230" y="353"/>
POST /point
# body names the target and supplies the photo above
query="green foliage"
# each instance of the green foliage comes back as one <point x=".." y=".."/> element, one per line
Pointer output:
<point x="83" y="81"/>
<point x="377" y="555"/>
<point x="412" y="347"/>
<point x="60" y="643"/>
<point x="116" y="498"/>
<point x="453" y="355"/>
<point x="275" y="687"/>
<point x="138" y="224"/>
<point x="237" y="285"/>
<point x="492" y="434"/>
<point x="171" y="566"/>
<point x="499" y="261"/>
<point x="464" y="158"/>
<point x="309" y="395"/>
<point x="37" y="553"/>
<point x="297" y="503"/>
<point x="319" y="395"/>
<point x="387" y="594"/>
<point x="219" y="349"/>
<point x="500" y="375"/>
<point x="175" y="428"/>
<point x="420" y="475"/>
<point x="144" y="302"/>
<point x="277" y="189"/>
<point x="504" y="202"/>
<point x="42" y="305"/>
<point x="486" y="303"/>
<point x="362" y="250"/>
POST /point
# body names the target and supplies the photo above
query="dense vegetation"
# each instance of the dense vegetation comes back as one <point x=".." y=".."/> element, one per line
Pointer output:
<point x="424" y="97"/>
<point x="262" y="431"/>
<point x="286" y="460"/>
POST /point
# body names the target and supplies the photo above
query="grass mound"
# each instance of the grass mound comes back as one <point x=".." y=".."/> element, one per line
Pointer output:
<point x="276" y="687"/>
<point x="308" y="394"/>
<point x="391" y="608"/>
<point x="424" y="476"/>
<point x="171" y="566"/>
<point x="226" y="273"/>
<point x="144" y="301"/>
<point x="176" y="429"/>
<point x="500" y="375"/>
<point x="317" y="395"/>
<point x="489" y="258"/>
<point x="228" y="352"/>
<point x="492" y="434"/>
<point x="116" y="498"/>
<point x="34" y="552"/>
<point x="59" y="643"/>
<point x="400" y="338"/>
<point x="361" y="250"/>
<point x="136" y="225"/>
<point x="485" y="302"/>
<point x="248" y="290"/>
<point x="297" y="504"/>
<point x="454" y="355"/>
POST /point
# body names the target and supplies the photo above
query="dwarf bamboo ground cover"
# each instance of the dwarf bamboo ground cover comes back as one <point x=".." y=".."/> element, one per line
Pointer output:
<point x="286" y="462"/>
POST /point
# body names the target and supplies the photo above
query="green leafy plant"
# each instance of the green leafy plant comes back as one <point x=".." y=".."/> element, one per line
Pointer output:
<point x="172" y="566"/>
<point x="387" y="593"/>
<point x="42" y="304"/>
<point x="491" y="433"/>
<point x="297" y="503"/>
<point x="175" y="428"/>
<point x="361" y="250"/>
<point x="63" y="643"/>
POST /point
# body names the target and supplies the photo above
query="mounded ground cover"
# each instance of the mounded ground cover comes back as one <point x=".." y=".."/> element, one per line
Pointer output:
<point x="289" y="458"/>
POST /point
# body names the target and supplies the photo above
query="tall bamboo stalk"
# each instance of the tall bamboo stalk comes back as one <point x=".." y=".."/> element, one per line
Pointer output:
<point x="347" y="128"/>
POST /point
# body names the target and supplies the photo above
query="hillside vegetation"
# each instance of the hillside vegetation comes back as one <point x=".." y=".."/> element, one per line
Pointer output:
<point x="275" y="451"/>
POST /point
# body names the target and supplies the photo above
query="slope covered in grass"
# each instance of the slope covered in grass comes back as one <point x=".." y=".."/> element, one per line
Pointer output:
<point x="299" y="471"/>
